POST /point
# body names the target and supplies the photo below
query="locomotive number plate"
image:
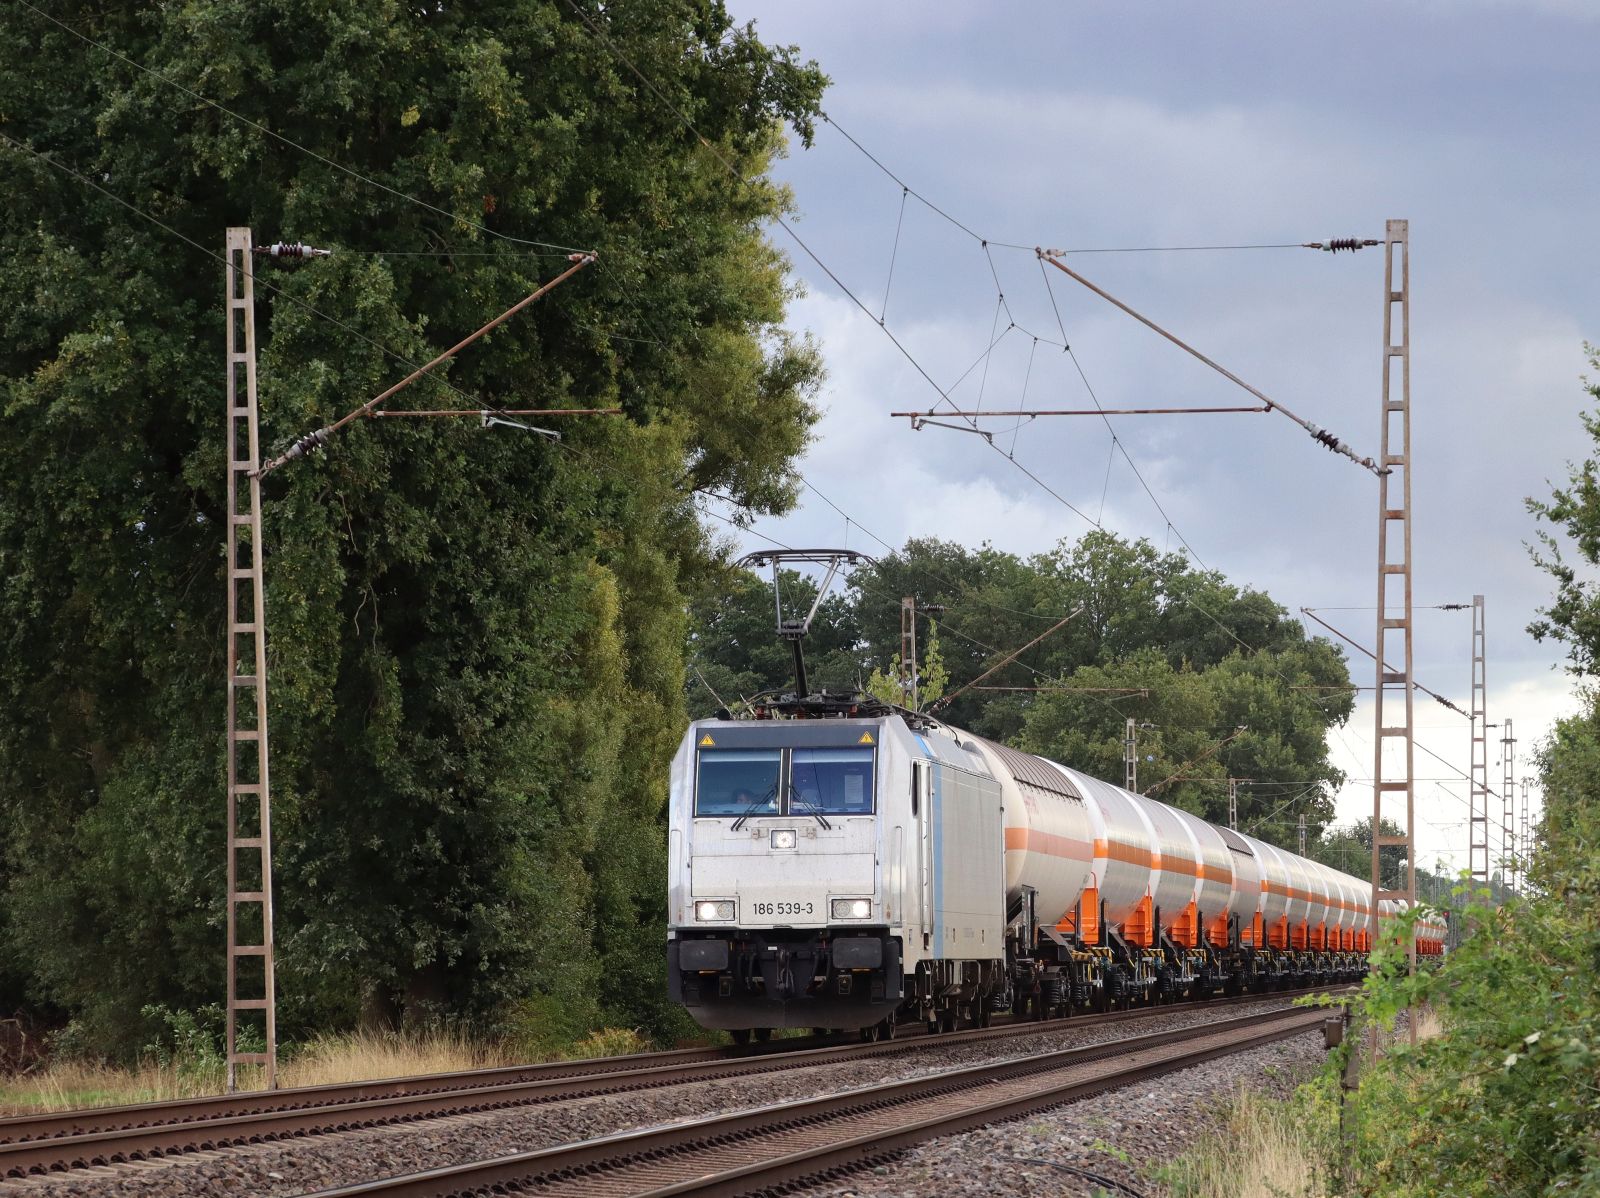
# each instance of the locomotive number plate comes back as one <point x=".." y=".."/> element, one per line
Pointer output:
<point x="784" y="908"/>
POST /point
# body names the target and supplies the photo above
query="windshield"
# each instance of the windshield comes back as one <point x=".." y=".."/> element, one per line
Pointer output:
<point x="831" y="782"/>
<point x="737" y="781"/>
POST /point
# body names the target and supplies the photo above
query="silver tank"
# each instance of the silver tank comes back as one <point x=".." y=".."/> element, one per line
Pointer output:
<point x="1066" y="832"/>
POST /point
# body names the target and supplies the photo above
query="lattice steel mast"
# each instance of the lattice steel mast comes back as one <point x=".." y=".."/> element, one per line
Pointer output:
<point x="1508" y="795"/>
<point x="1394" y="687"/>
<point x="1478" y="807"/>
<point x="1523" y="840"/>
<point x="249" y="827"/>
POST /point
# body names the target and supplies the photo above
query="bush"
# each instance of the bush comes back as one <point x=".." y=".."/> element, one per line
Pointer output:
<point x="192" y="1044"/>
<point x="1505" y="1101"/>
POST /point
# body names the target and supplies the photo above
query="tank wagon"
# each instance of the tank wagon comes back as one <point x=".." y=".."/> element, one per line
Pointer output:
<point x="874" y="866"/>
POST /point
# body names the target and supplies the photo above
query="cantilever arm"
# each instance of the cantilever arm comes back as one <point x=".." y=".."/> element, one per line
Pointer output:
<point x="318" y="437"/>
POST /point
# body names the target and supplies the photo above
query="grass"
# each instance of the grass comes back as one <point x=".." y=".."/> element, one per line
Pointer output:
<point x="1271" y="1147"/>
<point x="1266" y="1148"/>
<point x="324" y="1060"/>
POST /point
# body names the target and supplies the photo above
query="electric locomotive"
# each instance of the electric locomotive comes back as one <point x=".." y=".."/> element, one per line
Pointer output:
<point x="859" y="866"/>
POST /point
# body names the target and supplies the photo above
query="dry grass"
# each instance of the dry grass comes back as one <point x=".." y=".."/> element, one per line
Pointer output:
<point x="325" y="1060"/>
<point x="332" y="1060"/>
<point x="1263" y="1151"/>
<point x="73" y="1084"/>
<point x="1429" y="1024"/>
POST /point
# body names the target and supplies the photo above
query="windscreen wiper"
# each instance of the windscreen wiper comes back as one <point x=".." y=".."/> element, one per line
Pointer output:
<point x="814" y="811"/>
<point x="772" y="793"/>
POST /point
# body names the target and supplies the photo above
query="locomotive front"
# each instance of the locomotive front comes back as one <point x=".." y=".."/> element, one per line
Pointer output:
<point x="777" y="911"/>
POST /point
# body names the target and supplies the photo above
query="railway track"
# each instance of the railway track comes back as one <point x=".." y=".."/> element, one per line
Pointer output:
<point x="49" y="1143"/>
<point x="752" y="1152"/>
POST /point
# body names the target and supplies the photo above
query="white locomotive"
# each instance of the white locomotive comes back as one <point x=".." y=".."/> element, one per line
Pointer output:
<point x="867" y="866"/>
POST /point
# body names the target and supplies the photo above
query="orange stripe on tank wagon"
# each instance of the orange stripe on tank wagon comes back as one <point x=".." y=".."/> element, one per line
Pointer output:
<point x="1053" y="845"/>
<point x="1291" y="892"/>
<point x="1049" y="843"/>
<point x="1133" y="854"/>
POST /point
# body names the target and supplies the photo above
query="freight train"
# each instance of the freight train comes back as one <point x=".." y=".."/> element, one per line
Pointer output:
<point x="847" y="864"/>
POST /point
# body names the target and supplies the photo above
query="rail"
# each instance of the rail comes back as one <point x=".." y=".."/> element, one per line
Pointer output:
<point x="49" y="1143"/>
<point x="785" y="1143"/>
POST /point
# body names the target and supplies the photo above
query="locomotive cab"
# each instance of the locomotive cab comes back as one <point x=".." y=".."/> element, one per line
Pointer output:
<point x="778" y="909"/>
<point x="831" y="872"/>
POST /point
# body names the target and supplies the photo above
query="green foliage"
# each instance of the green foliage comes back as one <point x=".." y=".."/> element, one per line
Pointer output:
<point x="192" y="1044"/>
<point x="475" y="637"/>
<point x="1574" y="510"/>
<point x="1504" y="1101"/>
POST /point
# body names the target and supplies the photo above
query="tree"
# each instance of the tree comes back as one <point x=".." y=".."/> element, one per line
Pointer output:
<point x="1127" y="596"/>
<point x="1573" y="617"/>
<point x="476" y="637"/>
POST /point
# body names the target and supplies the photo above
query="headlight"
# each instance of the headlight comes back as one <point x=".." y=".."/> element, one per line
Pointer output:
<point x="784" y="838"/>
<point x="714" y="910"/>
<point x="852" y="908"/>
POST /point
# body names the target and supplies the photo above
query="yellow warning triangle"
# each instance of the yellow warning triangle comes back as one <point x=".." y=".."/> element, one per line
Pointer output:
<point x="706" y="740"/>
<point x="866" y="739"/>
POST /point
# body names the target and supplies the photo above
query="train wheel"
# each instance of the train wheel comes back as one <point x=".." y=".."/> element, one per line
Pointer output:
<point x="888" y="1029"/>
<point x="740" y="1036"/>
<point x="763" y="1034"/>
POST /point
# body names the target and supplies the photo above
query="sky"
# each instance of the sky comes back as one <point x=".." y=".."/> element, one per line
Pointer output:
<point x="1101" y="127"/>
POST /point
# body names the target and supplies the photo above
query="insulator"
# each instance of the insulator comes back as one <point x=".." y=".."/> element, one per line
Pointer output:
<point x="1335" y="244"/>
<point x="291" y="249"/>
<point x="309" y="443"/>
